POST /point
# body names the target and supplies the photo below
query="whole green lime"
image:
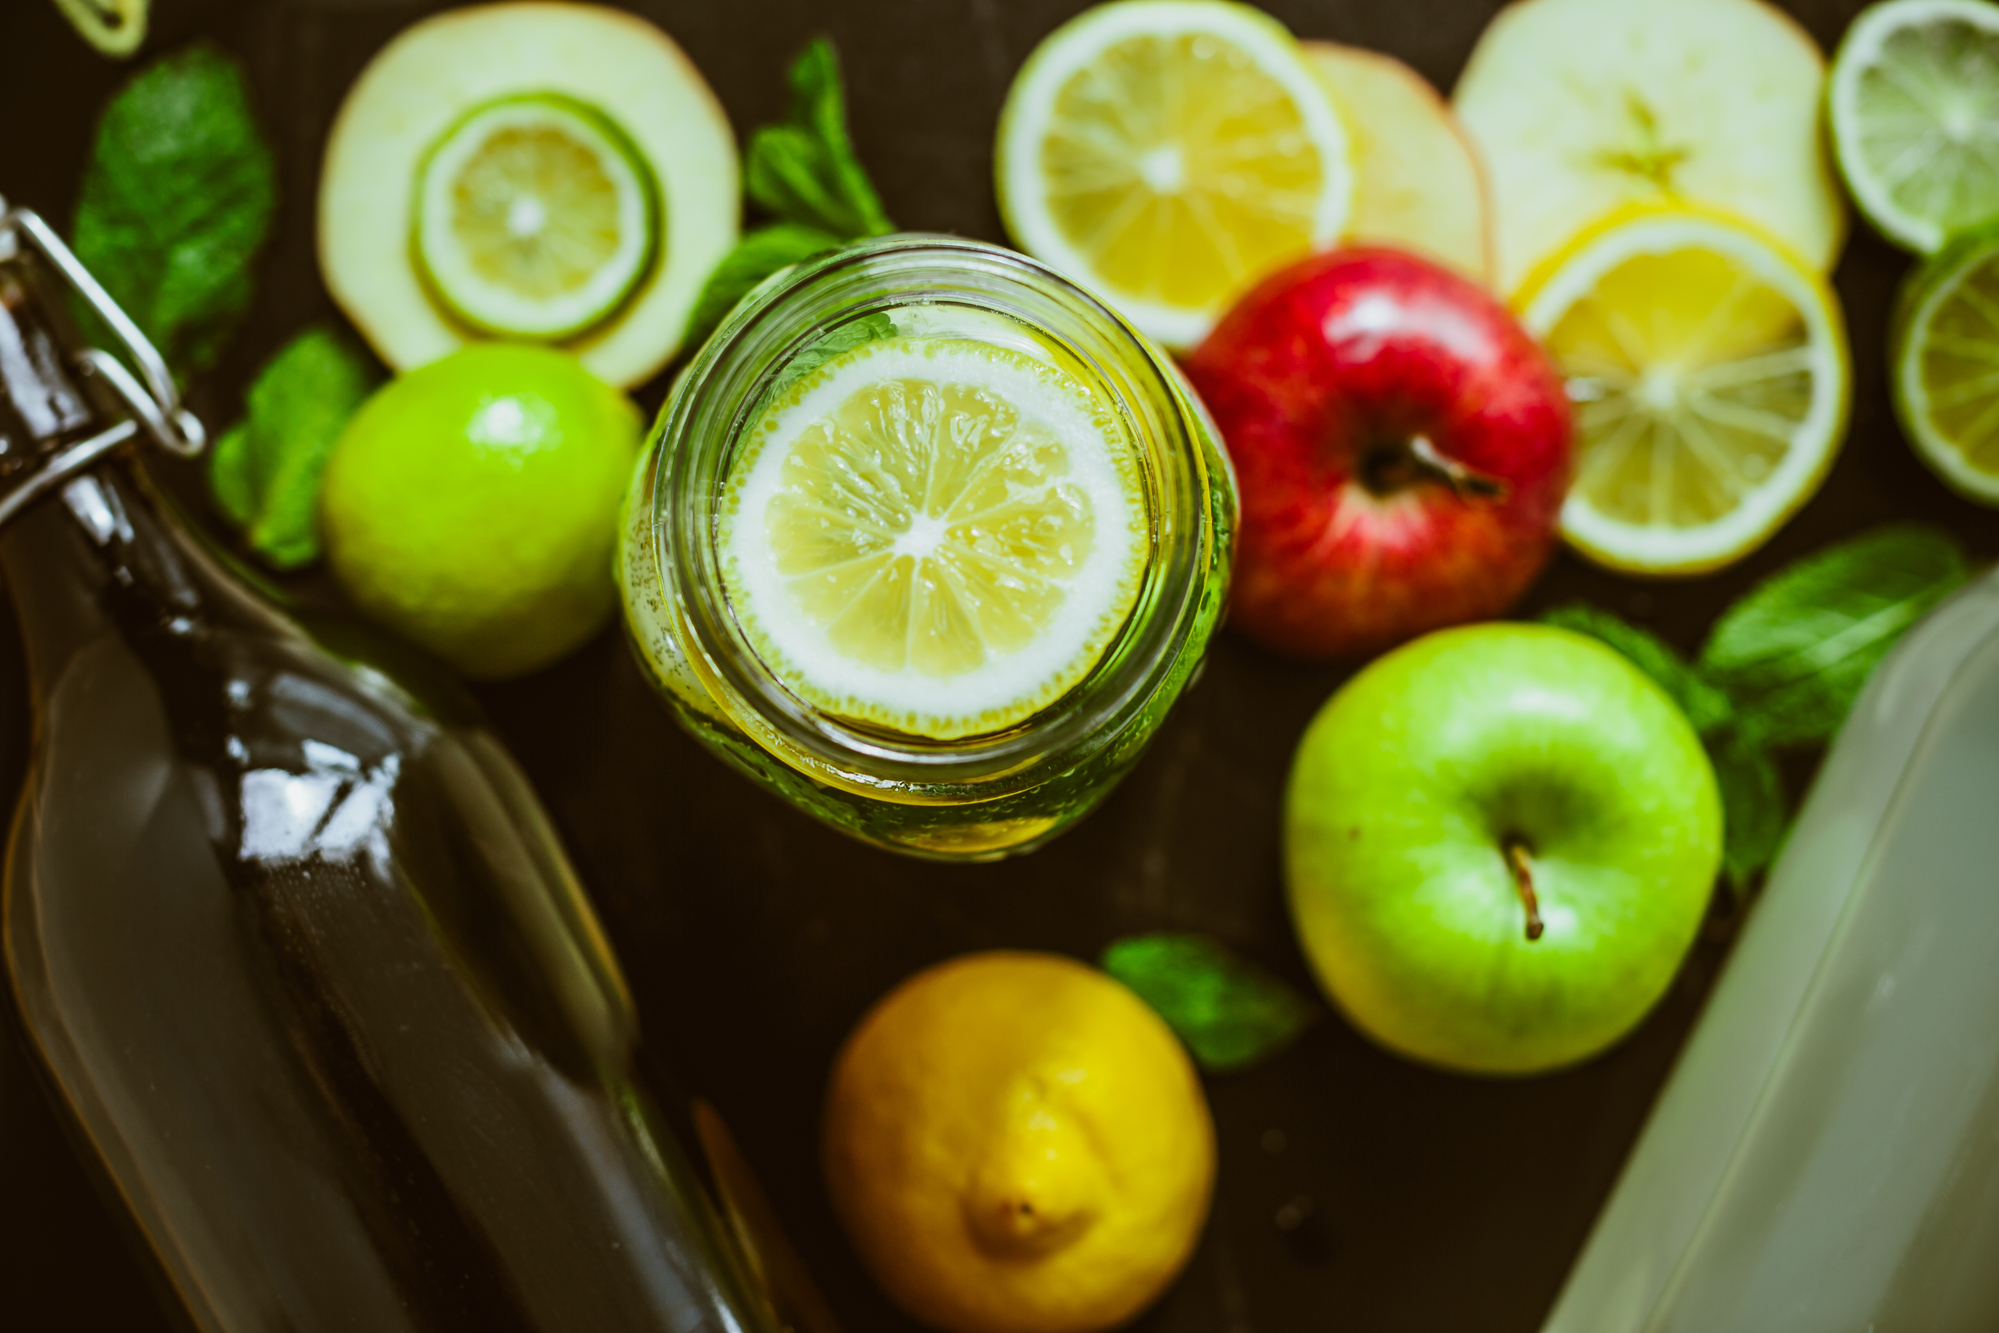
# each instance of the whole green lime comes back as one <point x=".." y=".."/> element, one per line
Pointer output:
<point x="472" y="505"/>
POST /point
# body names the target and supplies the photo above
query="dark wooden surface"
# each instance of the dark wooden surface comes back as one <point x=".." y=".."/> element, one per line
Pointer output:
<point x="754" y="938"/>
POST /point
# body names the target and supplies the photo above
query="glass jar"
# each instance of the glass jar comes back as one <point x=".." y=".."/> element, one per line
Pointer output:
<point x="984" y="796"/>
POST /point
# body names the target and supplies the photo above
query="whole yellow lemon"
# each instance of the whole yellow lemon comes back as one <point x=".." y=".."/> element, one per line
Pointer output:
<point x="1017" y="1144"/>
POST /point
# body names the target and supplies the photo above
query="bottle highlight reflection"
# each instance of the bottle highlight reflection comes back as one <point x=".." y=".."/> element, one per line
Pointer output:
<point x="304" y="959"/>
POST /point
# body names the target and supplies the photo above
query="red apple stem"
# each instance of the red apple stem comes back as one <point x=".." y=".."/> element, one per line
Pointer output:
<point x="1523" y="882"/>
<point x="1469" y="483"/>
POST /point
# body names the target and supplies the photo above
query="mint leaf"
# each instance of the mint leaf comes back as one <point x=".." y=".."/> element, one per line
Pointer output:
<point x="1705" y="706"/>
<point x="805" y="170"/>
<point x="763" y="252"/>
<point x="265" y="472"/>
<point x="1794" y="651"/>
<point x="232" y="475"/>
<point x="1752" y="796"/>
<point x="854" y="333"/>
<point x="1230" y="1012"/>
<point x="1784" y="665"/>
<point x="177" y="201"/>
<point x="1755" y="814"/>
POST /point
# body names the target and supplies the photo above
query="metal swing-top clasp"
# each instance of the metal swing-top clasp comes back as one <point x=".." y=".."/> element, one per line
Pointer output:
<point x="154" y="406"/>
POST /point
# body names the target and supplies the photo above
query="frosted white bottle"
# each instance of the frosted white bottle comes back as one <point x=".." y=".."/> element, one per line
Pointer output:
<point x="1825" y="1157"/>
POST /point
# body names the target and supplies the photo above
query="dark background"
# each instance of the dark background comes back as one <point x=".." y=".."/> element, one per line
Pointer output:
<point x="754" y="938"/>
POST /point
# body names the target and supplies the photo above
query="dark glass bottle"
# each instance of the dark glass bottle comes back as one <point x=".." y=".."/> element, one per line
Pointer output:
<point x="300" y="953"/>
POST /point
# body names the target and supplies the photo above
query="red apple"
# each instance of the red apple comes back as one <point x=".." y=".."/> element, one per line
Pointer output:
<point x="1402" y="446"/>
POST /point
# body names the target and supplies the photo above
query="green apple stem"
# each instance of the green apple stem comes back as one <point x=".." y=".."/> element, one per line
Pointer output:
<point x="1469" y="483"/>
<point x="1523" y="882"/>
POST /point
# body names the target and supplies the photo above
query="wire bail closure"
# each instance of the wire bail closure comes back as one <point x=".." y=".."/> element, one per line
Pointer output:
<point x="154" y="405"/>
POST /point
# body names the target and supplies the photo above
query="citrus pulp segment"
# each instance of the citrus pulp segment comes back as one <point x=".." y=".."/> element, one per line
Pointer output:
<point x="536" y="217"/>
<point x="1169" y="153"/>
<point x="1708" y="368"/>
<point x="435" y="71"/>
<point x="1946" y="367"/>
<point x="937" y="536"/>
<point x="1580" y="107"/>
<point x="1914" y="110"/>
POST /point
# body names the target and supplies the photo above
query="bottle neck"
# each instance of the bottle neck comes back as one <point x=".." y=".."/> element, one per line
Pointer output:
<point x="41" y="407"/>
<point x="104" y="552"/>
<point x="101" y="557"/>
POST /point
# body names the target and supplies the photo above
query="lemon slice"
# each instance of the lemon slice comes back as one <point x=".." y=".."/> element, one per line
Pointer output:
<point x="1709" y="371"/>
<point x="934" y="535"/>
<point x="1946" y="366"/>
<point x="1914" y="110"/>
<point x="536" y="217"/>
<point x="1169" y="153"/>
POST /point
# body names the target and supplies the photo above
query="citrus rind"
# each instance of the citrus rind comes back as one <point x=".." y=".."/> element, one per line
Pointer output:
<point x="116" y="28"/>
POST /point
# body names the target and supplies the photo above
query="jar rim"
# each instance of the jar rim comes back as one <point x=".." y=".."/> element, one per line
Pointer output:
<point x="716" y="401"/>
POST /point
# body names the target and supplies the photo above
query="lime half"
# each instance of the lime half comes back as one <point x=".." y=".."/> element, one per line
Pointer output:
<point x="1946" y="366"/>
<point x="937" y="536"/>
<point x="1914" y="106"/>
<point x="536" y="217"/>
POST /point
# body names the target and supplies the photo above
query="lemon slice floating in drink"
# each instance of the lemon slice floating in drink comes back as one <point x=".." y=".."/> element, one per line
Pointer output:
<point x="536" y="217"/>
<point x="934" y="535"/>
<point x="1170" y="153"/>
<point x="1709" y="371"/>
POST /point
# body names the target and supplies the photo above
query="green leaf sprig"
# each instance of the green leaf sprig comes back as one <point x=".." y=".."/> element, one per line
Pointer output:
<point x="176" y="204"/>
<point x="805" y="174"/>
<point x="1230" y="1013"/>
<point x="265" y="471"/>
<point x="1785" y="663"/>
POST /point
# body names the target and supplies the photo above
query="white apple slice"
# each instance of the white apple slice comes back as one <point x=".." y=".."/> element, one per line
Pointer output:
<point x="1580" y="106"/>
<point x="420" y="89"/>
<point x="1418" y="183"/>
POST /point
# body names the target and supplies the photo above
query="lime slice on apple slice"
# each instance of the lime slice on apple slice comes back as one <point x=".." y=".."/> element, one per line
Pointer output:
<point x="536" y="217"/>
<point x="581" y="68"/>
<point x="936" y="536"/>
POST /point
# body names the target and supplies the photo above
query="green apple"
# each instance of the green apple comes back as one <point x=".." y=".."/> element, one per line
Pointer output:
<point x="1499" y="842"/>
